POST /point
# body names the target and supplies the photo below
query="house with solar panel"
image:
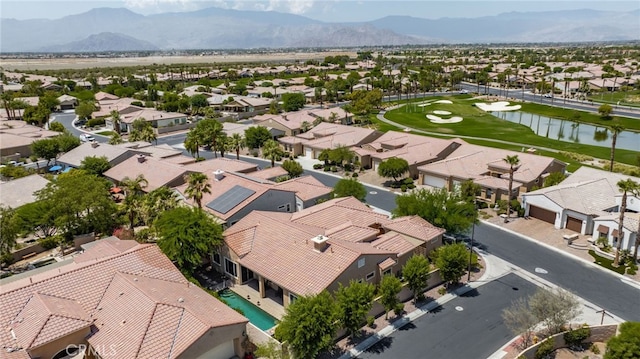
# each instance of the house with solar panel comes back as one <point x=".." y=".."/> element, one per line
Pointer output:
<point x="234" y="195"/>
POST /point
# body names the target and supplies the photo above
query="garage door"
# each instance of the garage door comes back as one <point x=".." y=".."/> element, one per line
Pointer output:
<point x="309" y="153"/>
<point x="542" y="214"/>
<point x="436" y="182"/>
<point x="574" y="224"/>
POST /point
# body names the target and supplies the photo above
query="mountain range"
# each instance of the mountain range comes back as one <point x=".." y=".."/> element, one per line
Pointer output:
<point x="119" y="29"/>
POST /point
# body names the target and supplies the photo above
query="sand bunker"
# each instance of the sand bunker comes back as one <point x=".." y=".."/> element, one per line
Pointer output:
<point x="440" y="112"/>
<point x="437" y="119"/>
<point x="497" y="106"/>
<point x="444" y="101"/>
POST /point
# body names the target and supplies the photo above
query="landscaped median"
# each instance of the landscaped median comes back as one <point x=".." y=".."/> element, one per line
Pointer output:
<point x="577" y="338"/>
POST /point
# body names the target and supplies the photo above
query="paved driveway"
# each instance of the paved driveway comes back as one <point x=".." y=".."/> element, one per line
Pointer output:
<point x="474" y="332"/>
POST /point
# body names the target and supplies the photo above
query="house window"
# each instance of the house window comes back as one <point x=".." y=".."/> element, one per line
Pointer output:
<point x="489" y="193"/>
<point x="292" y="298"/>
<point x="361" y="262"/>
<point x="371" y="275"/>
<point x="216" y="258"/>
<point x="386" y="272"/>
<point x="230" y="267"/>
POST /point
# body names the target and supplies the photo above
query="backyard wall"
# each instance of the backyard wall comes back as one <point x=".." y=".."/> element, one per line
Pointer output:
<point x="36" y="248"/>
<point x="599" y="333"/>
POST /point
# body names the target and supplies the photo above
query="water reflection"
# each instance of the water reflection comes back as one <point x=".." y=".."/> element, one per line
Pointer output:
<point x="578" y="133"/>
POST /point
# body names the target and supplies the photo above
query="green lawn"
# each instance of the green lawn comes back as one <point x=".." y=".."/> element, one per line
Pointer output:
<point x="626" y="98"/>
<point x="478" y="123"/>
<point x="106" y="133"/>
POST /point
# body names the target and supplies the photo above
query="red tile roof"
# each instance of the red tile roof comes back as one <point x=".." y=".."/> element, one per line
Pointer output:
<point x="122" y="294"/>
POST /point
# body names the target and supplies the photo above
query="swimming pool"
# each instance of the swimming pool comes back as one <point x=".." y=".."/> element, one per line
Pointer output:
<point x="256" y="316"/>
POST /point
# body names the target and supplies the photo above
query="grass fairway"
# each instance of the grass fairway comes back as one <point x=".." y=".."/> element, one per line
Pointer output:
<point x="478" y="123"/>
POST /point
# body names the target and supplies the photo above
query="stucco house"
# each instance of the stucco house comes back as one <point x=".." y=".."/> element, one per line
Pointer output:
<point x="67" y="102"/>
<point x="415" y="149"/>
<point x="607" y="227"/>
<point x="486" y="167"/>
<point x="575" y="203"/>
<point x="318" y="248"/>
<point x="327" y="136"/>
<point x="117" y="299"/>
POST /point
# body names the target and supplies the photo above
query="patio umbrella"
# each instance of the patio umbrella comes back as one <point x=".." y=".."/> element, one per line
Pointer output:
<point x="55" y="168"/>
<point x="115" y="190"/>
<point x="67" y="170"/>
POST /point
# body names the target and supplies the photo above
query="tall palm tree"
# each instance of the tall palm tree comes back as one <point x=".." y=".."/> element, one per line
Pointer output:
<point x="271" y="150"/>
<point x="615" y="130"/>
<point x="115" y="120"/>
<point x="156" y="202"/>
<point x="192" y="142"/>
<point x="625" y="186"/>
<point x="636" y="193"/>
<point x="236" y="144"/>
<point x="133" y="190"/>
<point x="197" y="185"/>
<point x="513" y="162"/>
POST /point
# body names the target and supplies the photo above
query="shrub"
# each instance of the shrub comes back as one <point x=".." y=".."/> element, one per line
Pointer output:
<point x="545" y="349"/>
<point x="442" y="291"/>
<point x="317" y="166"/>
<point x="576" y="156"/>
<point x="408" y="181"/>
<point x="403" y="188"/>
<point x="137" y="103"/>
<point x="577" y="336"/>
<point x="371" y="321"/>
<point x="411" y="186"/>
<point x="354" y="175"/>
<point x="50" y="242"/>
<point x="94" y="122"/>
<point x="334" y="169"/>
<point x="283" y="178"/>
<point x="594" y="349"/>
<point x="327" y="168"/>
<point x="348" y="167"/>
<point x="5" y="260"/>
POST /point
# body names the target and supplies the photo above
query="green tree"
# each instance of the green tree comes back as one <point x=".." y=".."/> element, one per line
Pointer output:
<point x="341" y="155"/>
<point x="292" y="101"/>
<point x="293" y="168"/>
<point x="469" y="190"/>
<point x="186" y="235"/>
<point x="197" y="185"/>
<point x="346" y="187"/>
<point x="393" y="167"/>
<point x="9" y="232"/>
<point x="192" y="142"/>
<point x="116" y="120"/>
<point x="95" y="165"/>
<point x="452" y="260"/>
<point x="625" y="186"/>
<point x="85" y="109"/>
<point x="353" y="303"/>
<point x="134" y="193"/>
<point x="309" y="325"/>
<point x="56" y="126"/>
<point x="615" y="131"/>
<point x="514" y="163"/>
<point x="197" y="102"/>
<point x="67" y="142"/>
<point x="115" y="139"/>
<point x="390" y="287"/>
<point x="605" y="111"/>
<point x="271" y="150"/>
<point x="47" y="148"/>
<point x="554" y="308"/>
<point x="416" y="273"/>
<point x="521" y="321"/>
<point x="37" y="218"/>
<point x="439" y="207"/>
<point x="554" y="178"/>
<point x="156" y="202"/>
<point x="13" y="171"/>
<point x="256" y="136"/>
<point x="625" y="345"/>
<point x="236" y="144"/>
<point x="209" y="131"/>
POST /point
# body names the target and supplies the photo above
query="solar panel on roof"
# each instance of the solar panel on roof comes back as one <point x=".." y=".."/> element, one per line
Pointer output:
<point x="230" y="199"/>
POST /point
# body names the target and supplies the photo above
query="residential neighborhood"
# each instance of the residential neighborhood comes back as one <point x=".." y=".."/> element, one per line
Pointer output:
<point x="320" y="208"/>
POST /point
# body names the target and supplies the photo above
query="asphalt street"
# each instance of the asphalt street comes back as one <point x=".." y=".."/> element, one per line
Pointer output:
<point x="602" y="288"/>
<point x="476" y="331"/>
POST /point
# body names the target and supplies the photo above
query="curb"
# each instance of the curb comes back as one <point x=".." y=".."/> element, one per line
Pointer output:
<point x="569" y="255"/>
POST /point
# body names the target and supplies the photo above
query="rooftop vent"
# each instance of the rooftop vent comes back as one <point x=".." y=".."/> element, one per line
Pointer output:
<point x="218" y="175"/>
<point x="320" y="243"/>
<point x="141" y="158"/>
<point x="180" y="300"/>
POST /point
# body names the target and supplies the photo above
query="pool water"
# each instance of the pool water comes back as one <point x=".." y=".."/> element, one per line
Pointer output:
<point x="256" y="316"/>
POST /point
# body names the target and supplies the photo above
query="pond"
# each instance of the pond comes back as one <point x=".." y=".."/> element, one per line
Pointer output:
<point x="569" y="131"/>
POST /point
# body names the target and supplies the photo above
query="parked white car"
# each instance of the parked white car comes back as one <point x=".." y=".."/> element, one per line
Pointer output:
<point x="85" y="137"/>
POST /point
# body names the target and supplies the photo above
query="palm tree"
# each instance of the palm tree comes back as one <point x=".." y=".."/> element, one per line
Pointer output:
<point x="271" y="150"/>
<point x="197" y="185"/>
<point x="615" y="130"/>
<point x="133" y="189"/>
<point x="625" y="186"/>
<point x="156" y="202"/>
<point x="305" y="126"/>
<point x="192" y="143"/>
<point x="115" y="120"/>
<point x="237" y="143"/>
<point x="513" y="162"/>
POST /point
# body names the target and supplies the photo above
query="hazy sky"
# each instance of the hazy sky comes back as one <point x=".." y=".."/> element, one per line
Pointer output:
<point x="325" y="10"/>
